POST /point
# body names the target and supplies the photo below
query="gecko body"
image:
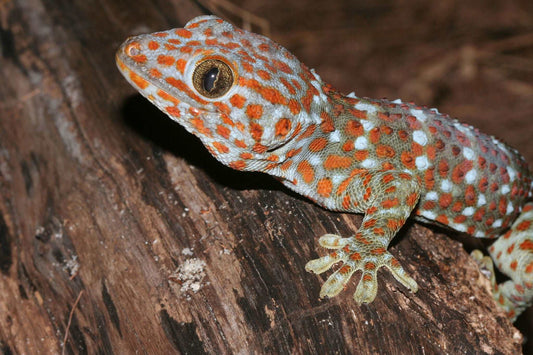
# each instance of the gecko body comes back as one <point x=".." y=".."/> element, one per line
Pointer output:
<point x="257" y="108"/>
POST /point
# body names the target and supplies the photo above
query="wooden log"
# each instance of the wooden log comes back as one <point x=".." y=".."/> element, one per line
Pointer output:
<point x="119" y="233"/>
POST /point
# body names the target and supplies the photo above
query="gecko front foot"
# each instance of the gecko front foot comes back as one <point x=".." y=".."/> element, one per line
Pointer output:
<point x="356" y="253"/>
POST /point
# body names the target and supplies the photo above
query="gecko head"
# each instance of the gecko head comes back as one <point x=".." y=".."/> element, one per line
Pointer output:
<point x="246" y="97"/>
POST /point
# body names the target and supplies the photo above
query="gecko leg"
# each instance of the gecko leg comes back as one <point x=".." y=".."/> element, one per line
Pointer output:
<point x="513" y="254"/>
<point x="394" y="196"/>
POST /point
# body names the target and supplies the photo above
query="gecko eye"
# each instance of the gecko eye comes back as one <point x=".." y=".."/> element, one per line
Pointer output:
<point x="212" y="78"/>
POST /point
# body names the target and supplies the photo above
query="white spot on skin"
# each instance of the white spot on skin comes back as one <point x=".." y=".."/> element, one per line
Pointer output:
<point x="367" y="125"/>
<point x="504" y="190"/>
<point x="337" y="179"/>
<point x="334" y="137"/>
<point x="512" y="173"/>
<point x="468" y="211"/>
<point x="481" y="200"/>
<point x="352" y="95"/>
<point x="470" y="177"/>
<point x="397" y="101"/>
<point x="479" y="234"/>
<point x="432" y="196"/>
<point x="468" y="153"/>
<point x="422" y="163"/>
<point x="458" y="227"/>
<point x="497" y="223"/>
<point x="420" y="137"/>
<point x="361" y="143"/>
<point x="363" y="106"/>
<point x="315" y="160"/>
<point x="428" y="214"/>
<point x="419" y="114"/>
<point x="368" y="163"/>
<point x="446" y="186"/>
<point x="510" y="208"/>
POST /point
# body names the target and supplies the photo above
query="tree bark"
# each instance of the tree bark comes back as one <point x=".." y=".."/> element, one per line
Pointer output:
<point x="104" y="198"/>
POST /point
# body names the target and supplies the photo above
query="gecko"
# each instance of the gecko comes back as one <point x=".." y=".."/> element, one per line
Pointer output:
<point x="256" y="107"/>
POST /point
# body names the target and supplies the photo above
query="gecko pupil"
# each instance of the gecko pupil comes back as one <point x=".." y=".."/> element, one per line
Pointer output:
<point x="212" y="78"/>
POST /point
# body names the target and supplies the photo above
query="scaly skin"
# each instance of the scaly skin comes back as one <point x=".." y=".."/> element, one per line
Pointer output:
<point x="257" y="108"/>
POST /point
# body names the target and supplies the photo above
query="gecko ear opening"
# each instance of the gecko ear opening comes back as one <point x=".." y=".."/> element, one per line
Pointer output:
<point x="212" y="78"/>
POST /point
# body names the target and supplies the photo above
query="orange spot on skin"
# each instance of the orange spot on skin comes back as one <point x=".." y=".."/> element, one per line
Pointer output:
<point x="523" y="225"/>
<point x="165" y="60"/>
<point x="167" y="97"/>
<point x="268" y="93"/>
<point x="256" y="130"/>
<point x="442" y="219"/>
<point x="470" y="195"/>
<point x="346" y="201"/>
<point x="154" y="73"/>
<point x="180" y="85"/>
<point x="220" y="147"/>
<point x="199" y="125"/>
<point x="174" y="41"/>
<point x="526" y="245"/>
<point x="374" y="135"/>
<point x="370" y="266"/>
<point x="429" y="179"/>
<point x="445" y="200"/>
<point x="354" y="128"/>
<point x="443" y="168"/>
<point x="294" y="106"/>
<point x="385" y="151"/>
<point x="254" y="111"/>
<point x="223" y="131"/>
<point x="180" y="65"/>
<point x="237" y="101"/>
<point x="355" y="256"/>
<point x="240" y="143"/>
<point x="378" y="231"/>
<point x="513" y="265"/>
<point x="137" y="80"/>
<point x="308" y="132"/>
<point x="327" y="123"/>
<point x="408" y="160"/>
<point x="283" y="126"/>
<point x="361" y="155"/>
<point x="336" y="162"/>
<point x="529" y="268"/>
<point x="259" y="148"/>
<point x="246" y="155"/>
<point x="153" y="45"/>
<point x="324" y="187"/>
<point x="222" y="107"/>
<point x="286" y="165"/>
<point x="318" y="144"/>
<point x="412" y="199"/>
<point x="348" y="146"/>
<point x="390" y="203"/>
<point x="183" y="33"/>
<point x="378" y="251"/>
<point x="263" y="74"/>
<point x="289" y="87"/>
<point x="173" y="111"/>
<point x="306" y="170"/>
<point x="237" y="165"/>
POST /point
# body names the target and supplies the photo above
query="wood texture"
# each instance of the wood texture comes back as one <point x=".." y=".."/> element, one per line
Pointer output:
<point x="174" y="253"/>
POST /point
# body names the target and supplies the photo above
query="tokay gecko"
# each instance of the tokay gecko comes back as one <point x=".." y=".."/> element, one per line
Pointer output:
<point x="257" y="108"/>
